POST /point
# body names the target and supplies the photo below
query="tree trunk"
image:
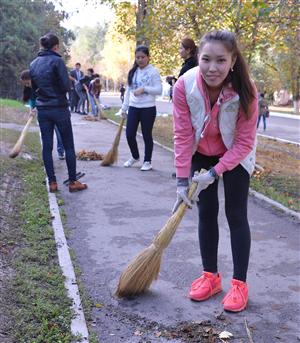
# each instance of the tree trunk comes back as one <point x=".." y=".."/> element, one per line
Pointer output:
<point x="142" y="17"/>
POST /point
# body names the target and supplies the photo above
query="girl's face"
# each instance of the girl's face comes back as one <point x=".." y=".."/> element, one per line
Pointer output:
<point x="26" y="83"/>
<point x="141" y="59"/>
<point x="215" y="62"/>
<point x="183" y="52"/>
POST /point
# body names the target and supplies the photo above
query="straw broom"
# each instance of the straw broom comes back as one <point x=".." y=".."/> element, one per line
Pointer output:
<point x="112" y="156"/>
<point x="144" y="269"/>
<point x="100" y="111"/>
<point x="18" y="146"/>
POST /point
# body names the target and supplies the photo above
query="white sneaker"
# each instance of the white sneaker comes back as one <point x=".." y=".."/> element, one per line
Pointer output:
<point x="130" y="162"/>
<point x="146" y="166"/>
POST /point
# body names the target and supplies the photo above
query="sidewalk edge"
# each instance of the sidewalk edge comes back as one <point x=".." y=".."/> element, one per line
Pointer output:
<point x="251" y="191"/>
<point x="78" y="322"/>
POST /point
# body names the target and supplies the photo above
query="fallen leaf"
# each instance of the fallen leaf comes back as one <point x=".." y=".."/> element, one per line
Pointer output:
<point x="225" y="335"/>
<point x="98" y="305"/>
<point x="138" y="333"/>
<point x="158" y="334"/>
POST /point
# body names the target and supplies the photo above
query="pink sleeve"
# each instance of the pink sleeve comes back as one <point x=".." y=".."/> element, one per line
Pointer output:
<point x="183" y="131"/>
<point x="243" y="142"/>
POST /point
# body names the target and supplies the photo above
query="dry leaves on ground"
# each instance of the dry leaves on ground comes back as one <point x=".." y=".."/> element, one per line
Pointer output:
<point x="85" y="155"/>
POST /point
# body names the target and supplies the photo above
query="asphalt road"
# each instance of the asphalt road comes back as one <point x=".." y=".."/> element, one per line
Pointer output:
<point x="277" y="126"/>
<point x="118" y="216"/>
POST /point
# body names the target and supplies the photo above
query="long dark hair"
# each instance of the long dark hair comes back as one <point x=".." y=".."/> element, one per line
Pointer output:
<point x="48" y="41"/>
<point x="25" y="76"/>
<point x="239" y="76"/>
<point x="143" y="49"/>
<point x="188" y="43"/>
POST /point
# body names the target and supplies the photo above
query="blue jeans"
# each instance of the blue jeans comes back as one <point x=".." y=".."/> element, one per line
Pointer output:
<point x="60" y="117"/>
<point x="264" y="121"/>
<point x="147" y="117"/>
<point x="93" y="105"/>
<point x="60" y="146"/>
<point x="82" y="98"/>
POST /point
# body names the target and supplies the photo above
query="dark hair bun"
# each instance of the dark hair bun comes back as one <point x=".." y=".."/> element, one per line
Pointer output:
<point x="48" y="41"/>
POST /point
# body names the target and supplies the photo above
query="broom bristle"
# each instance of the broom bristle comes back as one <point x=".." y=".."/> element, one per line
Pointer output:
<point x="144" y="269"/>
<point x="112" y="156"/>
<point x="140" y="273"/>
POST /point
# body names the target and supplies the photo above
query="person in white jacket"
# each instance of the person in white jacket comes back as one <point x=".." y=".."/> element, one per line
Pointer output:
<point x="144" y="83"/>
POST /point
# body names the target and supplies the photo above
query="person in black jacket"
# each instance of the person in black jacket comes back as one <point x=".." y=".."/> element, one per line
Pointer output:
<point x="50" y="83"/>
<point x="188" y="51"/>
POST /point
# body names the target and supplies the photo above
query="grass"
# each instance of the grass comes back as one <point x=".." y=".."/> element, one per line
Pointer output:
<point x="37" y="305"/>
<point x="281" y="179"/>
<point x="10" y="103"/>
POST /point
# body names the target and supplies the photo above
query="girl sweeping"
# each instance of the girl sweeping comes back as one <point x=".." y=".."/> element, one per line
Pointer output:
<point x="215" y="116"/>
<point x="50" y="83"/>
<point x="144" y="83"/>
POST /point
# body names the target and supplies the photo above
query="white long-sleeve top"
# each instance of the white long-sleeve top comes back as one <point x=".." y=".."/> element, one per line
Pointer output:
<point x="147" y="78"/>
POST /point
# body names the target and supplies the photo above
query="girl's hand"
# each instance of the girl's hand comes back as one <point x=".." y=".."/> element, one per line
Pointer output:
<point x="33" y="112"/>
<point x="139" y="91"/>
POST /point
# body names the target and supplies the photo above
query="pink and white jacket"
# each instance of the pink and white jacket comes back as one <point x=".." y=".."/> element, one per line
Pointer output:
<point x="222" y="131"/>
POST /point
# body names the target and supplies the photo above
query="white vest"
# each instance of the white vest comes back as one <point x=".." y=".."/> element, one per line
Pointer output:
<point x="227" y="117"/>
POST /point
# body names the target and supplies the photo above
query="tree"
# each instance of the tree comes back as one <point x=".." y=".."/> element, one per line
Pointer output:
<point x="88" y="45"/>
<point x="142" y="16"/>
<point x="22" y="24"/>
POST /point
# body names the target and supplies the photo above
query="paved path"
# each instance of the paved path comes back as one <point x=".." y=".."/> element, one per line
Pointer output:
<point x="278" y="125"/>
<point x="119" y="215"/>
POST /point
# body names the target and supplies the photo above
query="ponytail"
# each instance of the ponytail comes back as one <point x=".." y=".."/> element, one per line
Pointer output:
<point x="241" y="83"/>
<point x="131" y="73"/>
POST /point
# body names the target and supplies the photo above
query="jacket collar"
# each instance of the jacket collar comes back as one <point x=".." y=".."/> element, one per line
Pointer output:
<point x="45" y="52"/>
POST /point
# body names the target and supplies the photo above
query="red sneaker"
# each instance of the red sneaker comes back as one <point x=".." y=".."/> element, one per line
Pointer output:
<point x="237" y="298"/>
<point x="205" y="286"/>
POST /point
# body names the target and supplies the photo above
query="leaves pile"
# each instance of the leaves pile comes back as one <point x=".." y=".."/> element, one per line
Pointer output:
<point x="84" y="155"/>
<point x="89" y="118"/>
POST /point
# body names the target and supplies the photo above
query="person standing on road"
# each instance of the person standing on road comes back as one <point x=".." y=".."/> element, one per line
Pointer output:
<point x="215" y="115"/>
<point x="122" y="92"/>
<point x="188" y="51"/>
<point x="75" y="75"/>
<point x="50" y="84"/>
<point x="263" y="110"/>
<point x="144" y="83"/>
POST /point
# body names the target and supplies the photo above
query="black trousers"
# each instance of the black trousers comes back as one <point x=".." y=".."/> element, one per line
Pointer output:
<point x="236" y="188"/>
<point x="145" y="116"/>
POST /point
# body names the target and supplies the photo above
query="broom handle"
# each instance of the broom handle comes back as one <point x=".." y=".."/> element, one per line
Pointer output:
<point x="173" y="221"/>
<point x="118" y="135"/>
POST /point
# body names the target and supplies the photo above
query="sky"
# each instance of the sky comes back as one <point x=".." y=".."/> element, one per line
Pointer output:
<point x="82" y="14"/>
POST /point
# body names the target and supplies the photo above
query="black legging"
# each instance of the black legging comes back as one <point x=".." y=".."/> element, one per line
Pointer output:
<point x="236" y="187"/>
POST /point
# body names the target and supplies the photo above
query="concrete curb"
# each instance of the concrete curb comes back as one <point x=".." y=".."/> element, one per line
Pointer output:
<point x="279" y="139"/>
<point x="284" y="115"/>
<point x="78" y="323"/>
<point x="251" y="191"/>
